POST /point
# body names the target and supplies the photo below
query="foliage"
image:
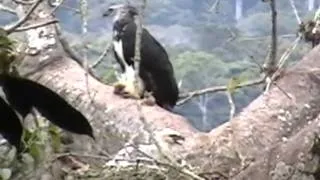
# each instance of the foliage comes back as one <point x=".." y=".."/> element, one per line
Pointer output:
<point x="7" y="54"/>
<point x="193" y="67"/>
<point x="35" y="136"/>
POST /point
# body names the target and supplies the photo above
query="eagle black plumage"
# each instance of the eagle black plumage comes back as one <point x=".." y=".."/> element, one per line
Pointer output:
<point x="22" y="95"/>
<point x="10" y="126"/>
<point x="156" y="70"/>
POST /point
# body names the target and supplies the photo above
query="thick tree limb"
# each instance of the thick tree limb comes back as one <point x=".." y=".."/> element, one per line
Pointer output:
<point x="271" y="125"/>
<point x="266" y="121"/>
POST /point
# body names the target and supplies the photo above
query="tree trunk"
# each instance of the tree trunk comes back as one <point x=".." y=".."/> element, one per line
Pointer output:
<point x="273" y="136"/>
<point x="239" y="10"/>
<point x="311" y="5"/>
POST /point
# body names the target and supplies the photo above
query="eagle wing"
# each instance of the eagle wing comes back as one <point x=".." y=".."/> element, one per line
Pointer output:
<point x="10" y="125"/>
<point x="23" y="94"/>
<point x="160" y="70"/>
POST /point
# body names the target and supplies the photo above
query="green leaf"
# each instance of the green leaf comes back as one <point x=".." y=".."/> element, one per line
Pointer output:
<point x="10" y="156"/>
<point x="234" y="82"/>
<point x="55" y="137"/>
<point x="36" y="151"/>
<point x="33" y="144"/>
<point x="5" y="173"/>
<point x="27" y="158"/>
<point x="7" y="53"/>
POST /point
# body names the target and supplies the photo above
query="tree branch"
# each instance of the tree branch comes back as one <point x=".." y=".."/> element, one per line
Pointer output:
<point x="214" y="5"/>
<point x="271" y="61"/>
<point x="269" y="67"/>
<point x="137" y="57"/>
<point x="23" y="19"/>
<point x="7" y="9"/>
<point x="68" y="50"/>
<point x="24" y="2"/>
<point x="187" y="96"/>
<point x="295" y="11"/>
<point x="34" y="26"/>
<point x="232" y="105"/>
<point x="106" y="51"/>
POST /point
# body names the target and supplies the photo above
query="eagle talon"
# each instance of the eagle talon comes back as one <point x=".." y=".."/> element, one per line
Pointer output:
<point x="118" y="88"/>
<point x="127" y="95"/>
<point x="125" y="91"/>
<point x="148" y="99"/>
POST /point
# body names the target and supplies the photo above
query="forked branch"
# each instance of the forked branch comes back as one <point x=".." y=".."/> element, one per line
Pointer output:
<point x="13" y="27"/>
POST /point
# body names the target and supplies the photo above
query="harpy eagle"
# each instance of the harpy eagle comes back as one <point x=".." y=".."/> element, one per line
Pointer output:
<point x="22" y="95"/>
<point x="156" y="72"/>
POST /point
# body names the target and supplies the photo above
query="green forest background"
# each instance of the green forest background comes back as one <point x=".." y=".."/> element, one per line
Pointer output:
<point x="207" y="47"/>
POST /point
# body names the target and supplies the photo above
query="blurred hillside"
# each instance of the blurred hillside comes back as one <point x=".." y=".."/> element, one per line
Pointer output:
<point x="207" y="46"/>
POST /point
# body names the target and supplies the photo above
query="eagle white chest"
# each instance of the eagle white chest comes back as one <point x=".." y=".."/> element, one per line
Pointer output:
<point x="128" y="74"/>
<point x="118" y="48"/>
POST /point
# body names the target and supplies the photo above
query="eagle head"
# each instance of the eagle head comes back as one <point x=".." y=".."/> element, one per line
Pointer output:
<point x="123" y="13"/>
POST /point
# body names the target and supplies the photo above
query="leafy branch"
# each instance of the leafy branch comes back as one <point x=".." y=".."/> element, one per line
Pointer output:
<point x="187" y="96"/>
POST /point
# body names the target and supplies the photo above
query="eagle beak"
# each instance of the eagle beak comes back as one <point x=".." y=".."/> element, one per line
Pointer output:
<point x="107" y="13"/>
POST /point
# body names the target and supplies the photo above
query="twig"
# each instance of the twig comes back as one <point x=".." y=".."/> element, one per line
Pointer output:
<point x="160" y="163"/>
<point x="147" y="128"/>
<point x="281" y="63"/>
<point x="137" y="56"/>
<point x="65" y="45"/>
<point x="81" y="155"/>
<point x="7" y="9"/>
<point x="316" y="15"/>
<point x="214" y="6"/>
<point x="231" y="103"/>
<point x="67" y="48"/>
<point x="163" y="164"/>
<point x="104" y="54"/>
<point x="295" y="11"/>
<point x="288" y="52"/>
<point x="23" y="2"/>
<point x="171" y="163"/>
<point x="84" y="15"/>
<point x="57" y="6"/>
<point x="270" y="63"/>
<point x="283" y="91"/>
<point x="23" y="19"/>
<point x="187" y="96"/>
<point x="262" y="38"/>
<point x="33" y="26"/>
<point x="77" y="11"/>
<point x="257" y="63"/>
<point x="272" y="76"/>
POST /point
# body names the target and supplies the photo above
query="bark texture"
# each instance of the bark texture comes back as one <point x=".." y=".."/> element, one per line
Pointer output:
<point x="273" y="138"/>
